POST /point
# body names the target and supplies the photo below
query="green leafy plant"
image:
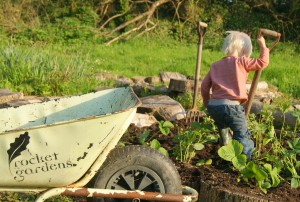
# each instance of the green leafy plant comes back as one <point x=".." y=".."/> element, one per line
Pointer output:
<point x="266" y="176"/>
<point x="202" y="162"/>
<point x="296" y="114"/>
<point x="193" y="139"/>
<point x="262" y="129"/>
<point x="233" y="153"/>
<point x="185" y="100"/>
<point x="165" y="126"/>
<point x="284" y="159"/>
<point x="271" y="164"/>
<point x="155" y="144"/>
<point x="147" y="139"/>
<point x="257" y="172"/>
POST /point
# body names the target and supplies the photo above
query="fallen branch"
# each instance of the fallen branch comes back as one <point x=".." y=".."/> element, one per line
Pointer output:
<point x="122" y="35"/>
<point x="147" y="19"/>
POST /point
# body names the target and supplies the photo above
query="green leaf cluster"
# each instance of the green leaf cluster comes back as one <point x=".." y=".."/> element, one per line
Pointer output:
<point x="266" y="176"/>
<point x="146" y="138"/>
<point x="193" y="139"/>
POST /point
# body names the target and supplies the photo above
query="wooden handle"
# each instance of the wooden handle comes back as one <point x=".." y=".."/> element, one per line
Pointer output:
<point x="202" y="24"/>
<point x="269" y="33"/>
<point x="201" y="29"/>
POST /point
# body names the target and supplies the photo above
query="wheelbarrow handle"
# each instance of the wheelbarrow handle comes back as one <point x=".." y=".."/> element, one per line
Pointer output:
<point x="267" y="33"/>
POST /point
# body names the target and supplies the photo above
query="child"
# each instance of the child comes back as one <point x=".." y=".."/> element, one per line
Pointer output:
<point x="227" y="81"/>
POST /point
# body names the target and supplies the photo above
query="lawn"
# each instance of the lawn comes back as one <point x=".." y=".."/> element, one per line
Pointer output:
<point x="60" y="69"/>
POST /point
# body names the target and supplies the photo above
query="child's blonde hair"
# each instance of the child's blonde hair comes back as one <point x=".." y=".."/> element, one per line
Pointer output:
<point x="237" y="41"/>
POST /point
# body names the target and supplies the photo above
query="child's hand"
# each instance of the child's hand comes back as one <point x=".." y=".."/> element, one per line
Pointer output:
<point x="261" y="42"/>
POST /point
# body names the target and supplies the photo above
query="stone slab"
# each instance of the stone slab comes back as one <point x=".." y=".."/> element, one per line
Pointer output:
<point x="6" y="95"/>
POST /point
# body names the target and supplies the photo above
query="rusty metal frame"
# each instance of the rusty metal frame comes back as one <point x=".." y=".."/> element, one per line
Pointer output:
<point x="189" y="194"/>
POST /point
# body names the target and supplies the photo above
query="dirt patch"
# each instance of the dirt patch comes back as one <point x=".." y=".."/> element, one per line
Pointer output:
<point x="219" y="175"/>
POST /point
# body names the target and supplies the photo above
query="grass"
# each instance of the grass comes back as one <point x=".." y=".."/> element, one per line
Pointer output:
<point x="57" y="69"/>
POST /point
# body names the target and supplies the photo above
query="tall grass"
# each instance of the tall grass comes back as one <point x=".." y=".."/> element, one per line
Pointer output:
<point x="41" y="71"/>
<point x="58" y="69"/>
<point x="284" y="73"/>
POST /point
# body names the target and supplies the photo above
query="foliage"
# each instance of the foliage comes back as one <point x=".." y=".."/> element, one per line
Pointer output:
<point x="75" y="17"/>
<point x="191" y="140"/>
<point x="185" y="100"/>
<point x="296" y="114"/>
<point x="233" y="152"/>
<point x="149" y="139"/>
<point x="38" y="72"/>
<point x="276" y="156"/>
<point x="250" y="170"/>
<point x="165" y="126"/>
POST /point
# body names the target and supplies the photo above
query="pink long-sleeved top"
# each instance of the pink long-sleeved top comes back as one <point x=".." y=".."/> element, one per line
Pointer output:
<point x="227" y="77"/>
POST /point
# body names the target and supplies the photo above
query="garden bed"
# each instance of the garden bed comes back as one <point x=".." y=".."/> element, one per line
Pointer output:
<point x="217" y="181"/>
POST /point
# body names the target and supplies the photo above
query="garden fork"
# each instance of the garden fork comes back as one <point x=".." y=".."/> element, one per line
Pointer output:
<point x="194" y="114"/>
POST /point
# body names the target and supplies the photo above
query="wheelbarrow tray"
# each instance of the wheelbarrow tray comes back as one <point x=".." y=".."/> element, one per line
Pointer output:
<point x="57" y="147"/>
<point x="55" y="143"/>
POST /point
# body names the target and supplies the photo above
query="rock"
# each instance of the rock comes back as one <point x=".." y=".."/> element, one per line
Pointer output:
<point x="138" y="79"/>
<point x="167" y="76"/>
<point x="289" y="118"/>
<point x="265" y="96"/>
<point x="143" y="120"/>
<point x="100" y="88"/>
<point x="181" y="86"/>
<point x="261" y="85"/>
<point x="20" y="102"/>
<point x="6" y="95"/>
<point x="123" y="81"/>
<point x="106" y="76"/>
<point x="162" y="89"/>
<point x="162" y="107"/>
<point x="152" y="79"/>
<point x="142" y="88"/>
<point x="256" y="107"/>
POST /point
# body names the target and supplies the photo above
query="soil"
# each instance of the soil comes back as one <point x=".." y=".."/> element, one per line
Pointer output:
<point x="218" y="175"/>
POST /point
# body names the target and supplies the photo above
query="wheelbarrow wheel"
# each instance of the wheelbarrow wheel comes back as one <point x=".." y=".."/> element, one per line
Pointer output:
<point x="138" y="168"/>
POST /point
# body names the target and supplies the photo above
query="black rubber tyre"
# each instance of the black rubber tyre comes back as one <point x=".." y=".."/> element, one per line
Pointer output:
<point x="138" y="168"/>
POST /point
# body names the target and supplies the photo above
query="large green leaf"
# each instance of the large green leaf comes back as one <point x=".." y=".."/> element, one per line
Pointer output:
<point x="168" y="124"/>
<point x="144" y="136"/>
<point x="295" y="144"/>
<point x="295" y="183"/>
<point x="155" y="144"/>
<point x="257" y="171"/>
<point x="198" y="146"/>
<point x="233" y="149"/>
<point x="163" y="151"/>
<point x="264" y="186"/>
<point x="274" y="173"/>
<point x="239" y="162"/>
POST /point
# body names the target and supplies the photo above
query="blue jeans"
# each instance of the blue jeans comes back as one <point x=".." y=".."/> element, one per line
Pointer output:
<point x="233" y="117"/>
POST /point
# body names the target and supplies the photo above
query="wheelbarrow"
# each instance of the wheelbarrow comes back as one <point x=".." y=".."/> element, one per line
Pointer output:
<point x="68" y="147"/>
